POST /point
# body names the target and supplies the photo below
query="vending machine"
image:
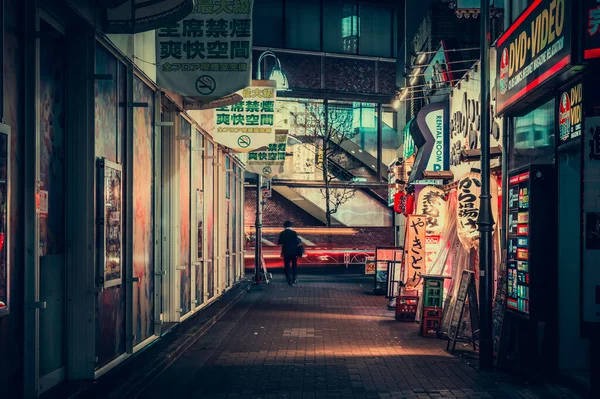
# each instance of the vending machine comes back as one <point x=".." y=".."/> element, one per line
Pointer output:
<point x="532" y="268"/>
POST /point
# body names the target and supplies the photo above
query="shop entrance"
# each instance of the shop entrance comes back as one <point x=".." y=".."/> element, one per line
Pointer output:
<point x="573" y="351"/>
<point x="52" y="139"/>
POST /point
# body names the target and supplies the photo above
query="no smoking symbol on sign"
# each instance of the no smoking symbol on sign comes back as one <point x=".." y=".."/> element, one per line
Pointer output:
<point x="205" y="85"/>
<point x="267" y="170"/>
<point x="244" y="141"/>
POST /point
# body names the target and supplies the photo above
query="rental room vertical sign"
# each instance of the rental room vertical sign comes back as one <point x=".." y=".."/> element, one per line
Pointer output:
<point x="208" y="54"/>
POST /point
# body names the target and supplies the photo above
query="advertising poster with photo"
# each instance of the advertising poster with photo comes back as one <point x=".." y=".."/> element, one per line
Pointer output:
<point x="112" y="227"/>
<point x="249" y="124"/>
<point x="570" y="112"/>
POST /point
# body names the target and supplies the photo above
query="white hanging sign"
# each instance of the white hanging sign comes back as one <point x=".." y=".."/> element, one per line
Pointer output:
<point x="208" y="54"/>
<point x="249" y="124"/>
<point x="269" y="161"/>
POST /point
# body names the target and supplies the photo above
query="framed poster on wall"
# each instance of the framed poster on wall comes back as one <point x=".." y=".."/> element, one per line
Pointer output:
<point x="4" y="219"/>
<point x="110" y="223"/>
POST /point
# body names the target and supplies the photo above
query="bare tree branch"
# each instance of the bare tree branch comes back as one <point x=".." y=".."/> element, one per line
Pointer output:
<point x="332" y="126"/>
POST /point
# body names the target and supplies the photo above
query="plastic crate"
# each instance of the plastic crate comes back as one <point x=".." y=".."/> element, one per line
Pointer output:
<point x="406" y="306"/>
<point x="431" y="321"/>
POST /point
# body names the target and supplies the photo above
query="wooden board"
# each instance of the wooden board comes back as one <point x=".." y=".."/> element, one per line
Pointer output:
<point x="466" y="290"/>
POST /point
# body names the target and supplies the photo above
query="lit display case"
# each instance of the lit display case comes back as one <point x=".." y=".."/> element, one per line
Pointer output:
<point x="531" y="229"/>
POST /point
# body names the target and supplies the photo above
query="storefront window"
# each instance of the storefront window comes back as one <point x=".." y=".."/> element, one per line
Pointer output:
<point x="298" y="15"/>
<point x="340" y="28"/>
<point x="210" y="216"/>
<point x="518" y="6"/>
<point x="185" y="214"/>
<point x="199" y="217"/>
<point x="533" y="137"/>
<point x="376" y="30"/>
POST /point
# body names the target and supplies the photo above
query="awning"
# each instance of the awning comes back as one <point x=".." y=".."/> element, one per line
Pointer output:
<point x="136" y="16"/>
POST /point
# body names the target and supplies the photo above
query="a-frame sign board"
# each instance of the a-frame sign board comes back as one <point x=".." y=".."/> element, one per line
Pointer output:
<point x="465" y="290"/>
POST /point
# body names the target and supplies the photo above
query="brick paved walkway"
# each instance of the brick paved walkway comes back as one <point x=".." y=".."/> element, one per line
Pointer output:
<point x="329" y="337"/>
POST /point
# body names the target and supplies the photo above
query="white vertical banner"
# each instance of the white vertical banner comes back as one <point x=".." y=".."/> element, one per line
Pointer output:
<point x="208" y="54"/>
<point x="250" y="123"/>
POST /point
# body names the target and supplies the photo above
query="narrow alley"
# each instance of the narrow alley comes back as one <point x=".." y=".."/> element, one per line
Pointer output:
<point x="329" y="337"/>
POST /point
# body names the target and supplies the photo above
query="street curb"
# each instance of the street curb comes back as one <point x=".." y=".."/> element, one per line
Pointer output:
<point x="140" y="380"/>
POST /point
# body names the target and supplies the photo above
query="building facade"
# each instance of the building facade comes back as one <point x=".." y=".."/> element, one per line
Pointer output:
<point x="544" y="136"/>
<point x="342" y="76"/>
<point x="122" y="216"/>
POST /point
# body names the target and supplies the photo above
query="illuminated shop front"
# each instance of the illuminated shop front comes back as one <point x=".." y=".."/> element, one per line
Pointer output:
<point x="548" y="101"/>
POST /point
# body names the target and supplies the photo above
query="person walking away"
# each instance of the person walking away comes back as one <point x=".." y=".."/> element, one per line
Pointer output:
<point x="289" y="241"/>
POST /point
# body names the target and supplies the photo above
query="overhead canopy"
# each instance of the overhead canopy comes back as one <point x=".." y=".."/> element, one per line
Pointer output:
<point x="136" y="16"/>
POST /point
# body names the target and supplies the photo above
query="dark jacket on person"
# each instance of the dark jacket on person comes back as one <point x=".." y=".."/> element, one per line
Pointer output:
<point x="288" y="239"/>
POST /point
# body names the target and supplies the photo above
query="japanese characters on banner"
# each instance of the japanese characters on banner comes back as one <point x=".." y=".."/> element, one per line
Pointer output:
<point x="465" y="118"/>
<point x="269" y="161"/>
<point x="591" y="38"/>
<point x="414" y="251"/>
<point x="469" y="190"/>
<point x="591" y="220"/>
<point x="207" y="55"/>
<point x="248" y="124"/>
<point x="432" y="204"/>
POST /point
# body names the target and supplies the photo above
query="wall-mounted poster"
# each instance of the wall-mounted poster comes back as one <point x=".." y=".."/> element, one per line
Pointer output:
<point x="4" y="219"/>
<point x="570" y="112"/>
<point x="110" y="223"/>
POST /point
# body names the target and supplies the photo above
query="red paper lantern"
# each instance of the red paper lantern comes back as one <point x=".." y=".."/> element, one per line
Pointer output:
<point x="399" y="202"/>
<point x="410" y="205"/>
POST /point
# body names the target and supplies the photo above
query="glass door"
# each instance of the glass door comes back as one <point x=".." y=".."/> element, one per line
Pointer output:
<point x="51" y="205"/>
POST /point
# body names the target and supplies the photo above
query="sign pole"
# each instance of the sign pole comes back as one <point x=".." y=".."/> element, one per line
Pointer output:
<point x="259" y="216"/>
<point x="485" y="220"/>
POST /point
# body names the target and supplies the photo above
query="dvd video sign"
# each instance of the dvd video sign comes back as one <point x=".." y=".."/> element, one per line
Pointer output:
<point x="570" y="112"/>
<point x="534" y="49"/>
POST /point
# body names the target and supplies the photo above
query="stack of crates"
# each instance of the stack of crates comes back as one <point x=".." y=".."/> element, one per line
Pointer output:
<point x="406" y="305"/>
<point x="433" y="297"/>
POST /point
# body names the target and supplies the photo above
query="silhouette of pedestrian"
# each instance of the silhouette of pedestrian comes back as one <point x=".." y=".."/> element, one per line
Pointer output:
<point x="289" y="241"/>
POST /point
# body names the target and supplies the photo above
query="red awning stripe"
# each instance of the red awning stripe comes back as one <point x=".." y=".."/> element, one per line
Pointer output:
<point x="592" y="53"/>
